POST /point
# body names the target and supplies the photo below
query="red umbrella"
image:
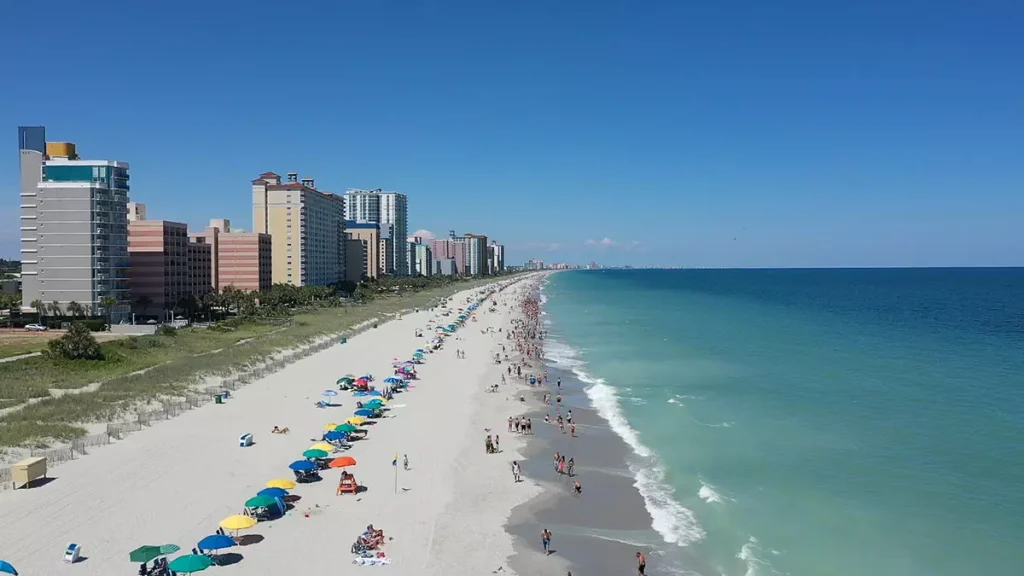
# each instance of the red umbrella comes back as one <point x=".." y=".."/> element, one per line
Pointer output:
<point x="342" y="462"/>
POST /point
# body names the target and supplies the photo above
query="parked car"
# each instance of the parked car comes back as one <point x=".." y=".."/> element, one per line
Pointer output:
<point x="35" y="328"/>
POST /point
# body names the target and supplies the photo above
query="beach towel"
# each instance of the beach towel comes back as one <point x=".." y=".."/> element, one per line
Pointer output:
<point x="371" y="561"/>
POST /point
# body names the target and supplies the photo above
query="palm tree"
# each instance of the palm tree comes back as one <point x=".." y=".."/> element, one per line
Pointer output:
<point x="144" y="302"/>
<point x="75" y="309"/>
<point x="55" y="309"/>
<point x="108" y="303"/>
<point x="40" y="309"/>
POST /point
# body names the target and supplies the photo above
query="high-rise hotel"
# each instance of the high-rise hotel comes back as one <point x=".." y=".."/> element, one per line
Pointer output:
<point x="306" y="226"/>
<point x="384" y="208"/>
<point x="74" y="227"/>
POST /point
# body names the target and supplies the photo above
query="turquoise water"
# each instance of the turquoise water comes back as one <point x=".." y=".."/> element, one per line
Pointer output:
<point x="813" y="422"/>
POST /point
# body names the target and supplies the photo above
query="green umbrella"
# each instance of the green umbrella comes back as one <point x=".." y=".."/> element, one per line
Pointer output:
<point x="345" y="380"/>
<point x="190" y="563"/>
<point x="346" y="428"/>
<point x="147" y="553"/>
<point x="260" y="502"/>
<point x="314" y="453"/>
<point x="374" y="403"/>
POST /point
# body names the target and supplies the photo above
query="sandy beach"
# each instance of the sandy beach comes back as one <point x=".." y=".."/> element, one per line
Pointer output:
<point x="173" y="482"/>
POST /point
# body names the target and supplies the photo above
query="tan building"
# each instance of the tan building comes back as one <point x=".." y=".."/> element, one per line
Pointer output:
<point x="165" y="267"/>
<point x="238" y="259"/>
<point x="368" y="234"/>
<point x="307" y="226"/>
<point x="136" y="211"/>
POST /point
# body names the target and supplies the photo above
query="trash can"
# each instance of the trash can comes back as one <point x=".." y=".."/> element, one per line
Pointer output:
<point x="218" y="399"/>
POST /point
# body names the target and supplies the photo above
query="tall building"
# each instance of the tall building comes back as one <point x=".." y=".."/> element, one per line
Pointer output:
<point x="382" y="208"/>
<point x="423" y="258"/>
<point x="74" y="226"/>
<point x="241" y="260"/>
<point x="136" y="211"/>
<point x="476" y="254"/>
<point x="497" y="254"/>
<point x="166" y="266"/>
<point x="367" y="234"/>
<point x="449" y="255"/>
<point x="307" y="226"/>
<point x="387" y="249"/>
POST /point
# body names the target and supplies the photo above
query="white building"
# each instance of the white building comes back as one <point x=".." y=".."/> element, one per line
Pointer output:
<point x="381" y="207"/>
<point x="496" y="253"/>
<point x="74" y="227"/>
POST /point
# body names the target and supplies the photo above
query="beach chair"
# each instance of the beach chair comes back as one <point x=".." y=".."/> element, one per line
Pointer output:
<point x="347" y="485"/>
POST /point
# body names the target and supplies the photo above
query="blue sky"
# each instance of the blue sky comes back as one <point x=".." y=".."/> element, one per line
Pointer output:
<point x="727" y="133"/>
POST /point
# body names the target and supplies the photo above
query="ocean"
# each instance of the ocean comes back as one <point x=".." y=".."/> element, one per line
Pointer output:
<point x="810" y="422"/>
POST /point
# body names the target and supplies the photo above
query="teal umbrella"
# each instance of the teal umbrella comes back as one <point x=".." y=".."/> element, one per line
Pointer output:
<point x="314" y="453"/>
<point x="147" y="553"/>
<point x="190" y="563"/>
<point x="346" y="428"/>
<point x="260" y="502"/>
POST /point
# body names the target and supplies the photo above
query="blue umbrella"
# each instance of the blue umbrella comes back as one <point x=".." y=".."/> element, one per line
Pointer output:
<point x="302" y="466"/>
<point x="335" y="435"/>
<point x="329" y="393"/>
<point x="272" y="493"/>
<point x="392" y="380"/>
<point x="6" y="568"/>
<point x="419" y="349"/>
<point x="373" y="393"/>
<point x="216" y="542"/>
<point x="368" y="377"/>
<point x="364" y="412"/>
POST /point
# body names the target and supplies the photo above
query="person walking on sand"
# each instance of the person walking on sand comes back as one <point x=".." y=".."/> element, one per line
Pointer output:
<point x="545" y="540"/>
<point x="405" y="461"/>
<point x="572" y="429"/>
<point x="641" y="563"/>
<point x="510" y="424"/>
<point x="571" y="464"/>
<point x="529" y="426"/>
<point x="515" y="471"/>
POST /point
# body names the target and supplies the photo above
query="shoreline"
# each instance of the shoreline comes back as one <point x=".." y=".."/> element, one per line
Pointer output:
<point x="174" y="482"/>
<point x="600" y="530"/>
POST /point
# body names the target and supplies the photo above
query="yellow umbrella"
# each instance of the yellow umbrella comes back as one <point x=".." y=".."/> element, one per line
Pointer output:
<point x="322" y="446"/>
<point x="282" y="483"/>
<point x="237" y="522"/>
<point x="330" y="426"/>
<point x="356" y="420"/>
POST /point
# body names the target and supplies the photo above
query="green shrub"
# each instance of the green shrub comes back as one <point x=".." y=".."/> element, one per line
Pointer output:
<point x="77" y="344"/>
<point x="166" y="331"/>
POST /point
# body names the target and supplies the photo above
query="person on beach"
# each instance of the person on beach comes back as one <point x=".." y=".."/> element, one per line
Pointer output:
<point x="545" y="540"/>
<point x="641" y="563"/>
<point x="497" y="444"/>
<point x="529" y="426"/>
<point x="572" y="429"/>
<point x="515" y="471"/>
<point x="510" y="424"/>
<point x="558" y="399"/>
<point x="558" y="458"/>
<point x="576" y="487"/>
<point x="568" y="416"/>
<point x="570" y="465"/>
<point x="559" y="383"/>
<point x="561" y="465"/>
<point x="405" y="461"/>
<point x="547" y="419"/>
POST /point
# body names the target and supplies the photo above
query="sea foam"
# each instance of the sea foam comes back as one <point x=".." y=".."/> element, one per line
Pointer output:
<point x="675" y="523"/>
<point x="710" y="494"/>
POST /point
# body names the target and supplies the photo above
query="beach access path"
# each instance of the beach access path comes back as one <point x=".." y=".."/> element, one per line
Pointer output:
<point x="173" y="482"/>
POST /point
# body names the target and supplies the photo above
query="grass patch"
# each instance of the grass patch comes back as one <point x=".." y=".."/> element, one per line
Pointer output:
<point x="172" y="366"/>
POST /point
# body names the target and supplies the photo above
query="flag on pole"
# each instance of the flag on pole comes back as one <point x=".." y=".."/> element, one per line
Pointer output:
<point x="395" y="461"/>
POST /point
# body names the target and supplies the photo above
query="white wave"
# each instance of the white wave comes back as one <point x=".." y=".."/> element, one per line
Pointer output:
<point x="637" y="401"/>
<point x="562" y="355"/>
<point x="719" y="425"/>
<point x="674" y="401"/>
<point x="750" y="554"/>
<point x="676" y="524"/>
<point x="709" y="494"/>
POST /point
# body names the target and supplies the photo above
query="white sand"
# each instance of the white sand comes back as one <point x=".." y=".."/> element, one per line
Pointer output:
<point x="173" y="482"/>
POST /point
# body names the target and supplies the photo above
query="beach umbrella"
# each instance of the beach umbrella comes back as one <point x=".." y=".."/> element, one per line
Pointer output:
<point x="273" y="492"/>
<point x="356" y="420"/>
<point x="238" y="522"/>
<point x="334" y="435"/>
<point x="419" y="349"/>
<point x="363" y="412"/>
<point x="349" y="375"/>
<point x="346" y="428"/>
<point x="255" y="502"/>
<point x="216" y="542"/>
<point x="367" y="377"/>
<point x="190" y="563"/>
<point x="283" y="483"/>
<point x="418" y="355"/>
<point x="392" y="380"/>
<point x="373" y="393"/>
<point x="375" y="402"/>
<point x="322" y="445"/>
<point x="345" y="381"/>
<point x="147" y="553"/>
<point x="314" y="454"/>
<point x="329" y="393"/>
<point x="342" y="462"/>
<point x="330" y="426"/>
<point x="302" y="466"/>
<point x="6" y="568"/>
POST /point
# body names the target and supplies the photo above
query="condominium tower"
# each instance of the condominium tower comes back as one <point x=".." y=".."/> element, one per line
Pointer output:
<point x="74" y="226"/>
<point x="383" y="208"/>
<point x="307" y="228"/>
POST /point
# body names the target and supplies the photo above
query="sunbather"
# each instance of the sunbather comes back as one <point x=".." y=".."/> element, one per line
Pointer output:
<point x="277" y="430"/>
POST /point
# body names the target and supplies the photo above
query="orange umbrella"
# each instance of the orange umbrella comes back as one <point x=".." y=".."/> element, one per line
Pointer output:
<point x="342" y="462"/>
